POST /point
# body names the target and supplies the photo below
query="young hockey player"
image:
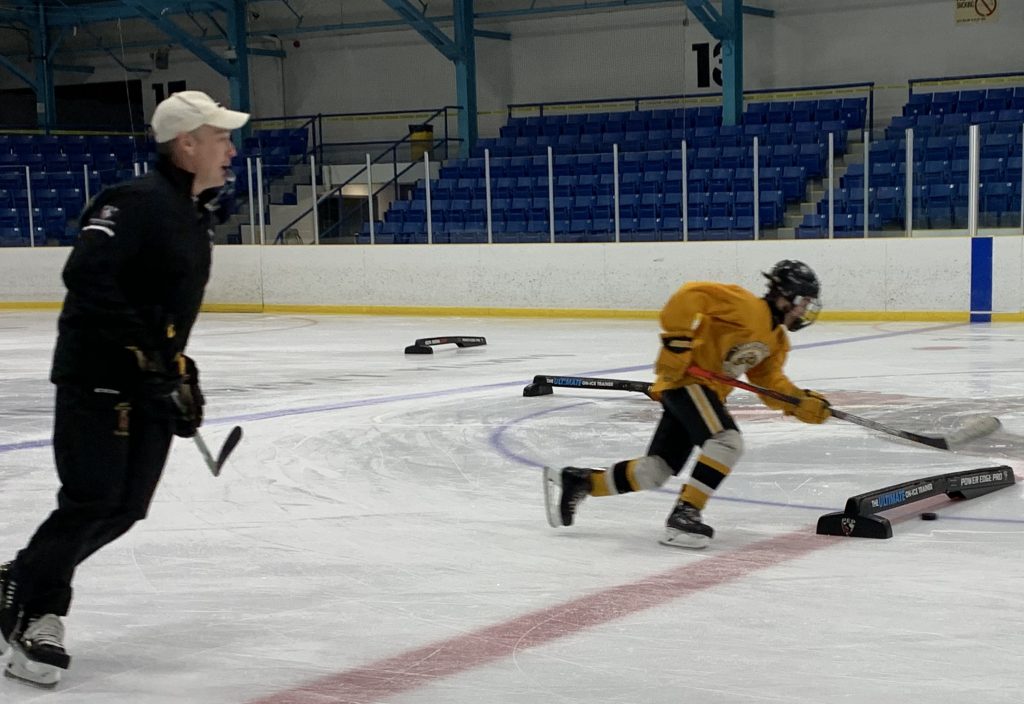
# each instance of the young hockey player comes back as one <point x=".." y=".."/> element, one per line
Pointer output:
<point x="721" y="328"/>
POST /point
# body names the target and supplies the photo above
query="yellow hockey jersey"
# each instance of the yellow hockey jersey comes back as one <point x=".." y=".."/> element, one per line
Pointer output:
<point x="722" y="328"/>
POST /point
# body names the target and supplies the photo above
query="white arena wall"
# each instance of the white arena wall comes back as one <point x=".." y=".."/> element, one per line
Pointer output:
<point x="874" y="279"/>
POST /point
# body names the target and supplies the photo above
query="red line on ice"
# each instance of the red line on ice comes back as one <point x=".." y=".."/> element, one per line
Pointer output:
<point x="422" y="666"/>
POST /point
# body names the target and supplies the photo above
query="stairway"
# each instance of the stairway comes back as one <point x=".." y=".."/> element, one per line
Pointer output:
<point x="818" y="188"/>
<point x="236" y="228"/>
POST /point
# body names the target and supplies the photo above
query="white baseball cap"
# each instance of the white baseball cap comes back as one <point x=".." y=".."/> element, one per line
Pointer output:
<point x="189" y="110"/>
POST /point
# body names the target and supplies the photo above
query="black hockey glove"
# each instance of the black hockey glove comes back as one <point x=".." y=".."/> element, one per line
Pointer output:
<point x="154" y="379"/>
<point x="189" y="399"/>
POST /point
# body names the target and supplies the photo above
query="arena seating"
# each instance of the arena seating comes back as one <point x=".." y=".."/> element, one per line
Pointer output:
<point x="59" y="166"/>
<point x="940" y="123"/>
<point x="792" y="139"/>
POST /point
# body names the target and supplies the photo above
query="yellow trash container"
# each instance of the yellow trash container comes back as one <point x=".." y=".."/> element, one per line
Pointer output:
<point x="421" y="141"/>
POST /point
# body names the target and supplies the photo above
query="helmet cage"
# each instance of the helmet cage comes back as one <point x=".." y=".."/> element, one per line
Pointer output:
<point x="796" y="282"/>
<point x="812" y="307"/>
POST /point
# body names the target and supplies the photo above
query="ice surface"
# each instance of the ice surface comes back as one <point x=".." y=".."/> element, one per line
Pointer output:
<point x="379" y="534"/>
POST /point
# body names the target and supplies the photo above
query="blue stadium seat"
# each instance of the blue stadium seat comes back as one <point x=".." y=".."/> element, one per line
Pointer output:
<point x="743" y="227"/>
<point x="697" y="204"/>
<point x="13" y="237"/>
<point x="997" y="99"/>
<point x="814" y="226"/>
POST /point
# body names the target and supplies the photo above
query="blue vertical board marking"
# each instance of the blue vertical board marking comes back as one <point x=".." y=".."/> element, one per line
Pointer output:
<point x="981" y="280"/>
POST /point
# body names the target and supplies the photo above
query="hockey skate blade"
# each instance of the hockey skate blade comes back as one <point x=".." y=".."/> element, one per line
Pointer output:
<point x="681" y="539"/>
<point x="32" y="672"/>
<point x="553" y="495"/>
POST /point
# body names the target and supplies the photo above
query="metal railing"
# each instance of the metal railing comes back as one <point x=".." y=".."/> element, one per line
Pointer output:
<point x="392" y="151"/>
<point x="635" y="103"/>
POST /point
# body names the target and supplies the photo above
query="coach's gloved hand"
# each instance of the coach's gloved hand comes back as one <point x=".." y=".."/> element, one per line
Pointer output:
<point x="154" y="379"/>
<point x="189" y="399"/>
<point x="813" y="408"/>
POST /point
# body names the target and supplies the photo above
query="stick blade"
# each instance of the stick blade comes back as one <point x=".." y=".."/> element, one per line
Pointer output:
<point x="973" y="429"/>
<point x="234" y="437"/>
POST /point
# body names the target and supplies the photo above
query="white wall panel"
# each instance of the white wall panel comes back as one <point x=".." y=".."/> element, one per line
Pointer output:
<point x="876" y="275"/>
<point x="32" y="275"/>
<point x="927" y="274"/>
<point x="1008" y="274"/>
<point x="889" y="43"/>
<point x="235" y="276"/>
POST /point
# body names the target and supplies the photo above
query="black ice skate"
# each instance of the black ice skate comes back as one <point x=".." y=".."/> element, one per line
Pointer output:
<point x="564" y="489"/>
<point x="684" y="529"/>
<point x="10" y="610"/>
<point x="39" y="657"/>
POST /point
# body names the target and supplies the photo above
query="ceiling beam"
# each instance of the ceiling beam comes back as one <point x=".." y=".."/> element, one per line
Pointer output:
<point x="425" y="27"/>
<point x="71" y="15"/>
<point x="487" y="34"/>
<point x="758" y="11"/>
<point x="708" y="16"/>
<point x="193" y="44"/>
<point x="73" y="69"/>
<point x="276" y="53"/>
<point x="16" y="70"/>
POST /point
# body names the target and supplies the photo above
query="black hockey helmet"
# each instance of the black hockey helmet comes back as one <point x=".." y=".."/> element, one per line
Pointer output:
<point x="796" y="282"/>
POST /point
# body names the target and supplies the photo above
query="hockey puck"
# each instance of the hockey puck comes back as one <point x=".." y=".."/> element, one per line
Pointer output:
<point x="929" y="516"/>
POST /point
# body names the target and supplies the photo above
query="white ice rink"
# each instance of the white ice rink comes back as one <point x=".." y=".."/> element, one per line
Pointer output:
<point x="379" y="534"/>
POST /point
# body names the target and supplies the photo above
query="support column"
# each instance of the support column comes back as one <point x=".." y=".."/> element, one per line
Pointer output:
<point x="726" y="27"/>
<point x="732" y="62"/>
<point x="238" y="80"/>
<point x="465" y="75"/>
<point x="46" y="102"/>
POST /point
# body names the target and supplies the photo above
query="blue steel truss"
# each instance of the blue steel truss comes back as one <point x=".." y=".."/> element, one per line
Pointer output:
<point x="48" y="23"/>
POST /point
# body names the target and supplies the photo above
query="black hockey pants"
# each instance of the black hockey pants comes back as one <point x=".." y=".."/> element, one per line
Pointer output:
<point x="686" y="424"/>
<point x="110" y="451"/>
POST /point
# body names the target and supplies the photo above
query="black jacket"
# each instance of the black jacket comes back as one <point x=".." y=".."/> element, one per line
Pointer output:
<point x="135" y="279"/>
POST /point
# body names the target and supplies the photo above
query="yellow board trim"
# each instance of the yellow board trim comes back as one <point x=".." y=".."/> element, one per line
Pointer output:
<point x="866" y="316"/>
<point x="924" y="316"/>
<point x="233" y="308"/>
<point x="29" y="305"/>
<point x="1008" y="317"/>
<point x="466" y="311"/>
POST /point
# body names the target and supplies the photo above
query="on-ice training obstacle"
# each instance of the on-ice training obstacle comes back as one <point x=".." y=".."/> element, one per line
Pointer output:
<point x="425" y="345"/>
<point x="860" y="518"/>
<point x="543" y="384"/>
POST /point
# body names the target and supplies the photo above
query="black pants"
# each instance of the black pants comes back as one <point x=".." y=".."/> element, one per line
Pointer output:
<point x="110" y="451"/>
<point x="685" y="426"/>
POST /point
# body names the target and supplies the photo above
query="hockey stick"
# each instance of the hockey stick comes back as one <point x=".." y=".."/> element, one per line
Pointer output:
<point x="972" y="430"/>
<point x="542" y="384"/>
<point x="234" y="437"/>
<point x="215" y="465"/>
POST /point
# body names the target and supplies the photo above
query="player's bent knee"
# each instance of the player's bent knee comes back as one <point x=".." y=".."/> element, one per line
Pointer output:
<point x="725" y="447"/>
<point x="651" y="472"/>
